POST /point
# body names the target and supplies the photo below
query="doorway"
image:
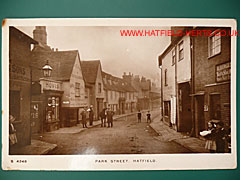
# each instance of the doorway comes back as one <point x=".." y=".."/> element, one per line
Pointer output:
<point x="199" y="114"/>
<point x="185" y="116"/>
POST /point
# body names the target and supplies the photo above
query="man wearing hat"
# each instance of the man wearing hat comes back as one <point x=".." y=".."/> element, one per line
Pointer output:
<point x="110" y="114"/>
<point x="103" y="117"/>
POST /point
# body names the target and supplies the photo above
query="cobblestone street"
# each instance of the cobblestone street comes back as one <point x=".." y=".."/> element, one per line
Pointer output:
<point x="126" y="137"/>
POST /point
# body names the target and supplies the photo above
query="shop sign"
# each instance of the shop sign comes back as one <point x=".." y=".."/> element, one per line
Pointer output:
<point x="223" y="72"/>
<point x="19" y="72"/>
<point x="51" y="85"/>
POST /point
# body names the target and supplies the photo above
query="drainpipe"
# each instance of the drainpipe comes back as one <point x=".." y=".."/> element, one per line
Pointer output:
<point x="31" y="79"/>
<point x="193" y="133"/>
<point x="161" y="68"/>
<point x="161" y="93"/>
<point x="176" y="93"/>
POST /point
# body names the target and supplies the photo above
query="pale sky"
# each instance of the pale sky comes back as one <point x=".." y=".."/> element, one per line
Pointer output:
<point x="118" y="54"/>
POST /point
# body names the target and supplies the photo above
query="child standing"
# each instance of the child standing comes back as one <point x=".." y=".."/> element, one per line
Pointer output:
<point x="148" y="116"/>
<point x="210" y="138"/>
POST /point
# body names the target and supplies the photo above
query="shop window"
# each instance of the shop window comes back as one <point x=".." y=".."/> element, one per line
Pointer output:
<point x="14" y="104"/>
<point x="52" y="110"/>
<point x="181" y="52"/>
<point x="77" y="89"/>
<point x="166" y="108"/>
<point x="215" y="107"/>
<point x="214" y="44"/>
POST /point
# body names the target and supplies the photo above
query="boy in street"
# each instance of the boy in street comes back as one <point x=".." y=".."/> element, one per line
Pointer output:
<point x="148" y="116"/>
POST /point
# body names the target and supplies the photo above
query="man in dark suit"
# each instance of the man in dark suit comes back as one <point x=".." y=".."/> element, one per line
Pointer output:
<point x="103" y="117"/>
<point x="110" y="114"/>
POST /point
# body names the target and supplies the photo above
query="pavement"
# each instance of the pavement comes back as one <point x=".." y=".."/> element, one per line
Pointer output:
<point x="35" y="148"/>
<point x="166" y="134"/>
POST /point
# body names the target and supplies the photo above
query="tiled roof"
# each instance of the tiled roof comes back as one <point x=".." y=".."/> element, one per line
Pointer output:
<point x="118" y="85"/>
<point x="62" y="63"/>
<point x="89" y="70"/>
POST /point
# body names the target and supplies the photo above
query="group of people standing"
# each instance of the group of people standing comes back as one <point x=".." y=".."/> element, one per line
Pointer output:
<point x="106" y="116"/>
<point x="217" y="138"/>
<point x="87" y="114"/>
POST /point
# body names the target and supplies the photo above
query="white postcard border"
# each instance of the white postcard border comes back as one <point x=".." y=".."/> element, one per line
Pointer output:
<point x="88" y="162"/>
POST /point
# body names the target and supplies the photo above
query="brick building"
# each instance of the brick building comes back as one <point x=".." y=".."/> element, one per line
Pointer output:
<point x="20" y="83"/>
<point x="212" y="78"/>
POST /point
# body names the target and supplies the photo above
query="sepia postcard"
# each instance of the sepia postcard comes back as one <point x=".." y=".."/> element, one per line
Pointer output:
<point x="119" y="94"/>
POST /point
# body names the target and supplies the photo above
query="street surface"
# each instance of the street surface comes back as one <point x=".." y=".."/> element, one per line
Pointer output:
<point x="126" y="137"/>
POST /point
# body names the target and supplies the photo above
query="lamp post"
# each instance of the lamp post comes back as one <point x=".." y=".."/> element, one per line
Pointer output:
<point x="47" y="70"/>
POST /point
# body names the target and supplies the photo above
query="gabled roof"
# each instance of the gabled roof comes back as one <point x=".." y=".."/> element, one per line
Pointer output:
<point x="62" y="63"/>
<point x="90" y="70"/>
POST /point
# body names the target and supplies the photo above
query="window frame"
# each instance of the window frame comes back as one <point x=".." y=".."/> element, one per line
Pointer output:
<point x="165" y="78"/>
<point x="211" y="44"/>
<point x="77" y="89"/>
<point x="174" y="56"/>
<point x="166" y="105"/>
<point x="181" y="50"/>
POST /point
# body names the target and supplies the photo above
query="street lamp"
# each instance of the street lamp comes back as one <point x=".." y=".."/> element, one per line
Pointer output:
<point x="47" y="70"/>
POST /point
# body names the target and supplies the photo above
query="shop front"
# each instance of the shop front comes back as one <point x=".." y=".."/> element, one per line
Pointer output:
<point x="51" y="98"/>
